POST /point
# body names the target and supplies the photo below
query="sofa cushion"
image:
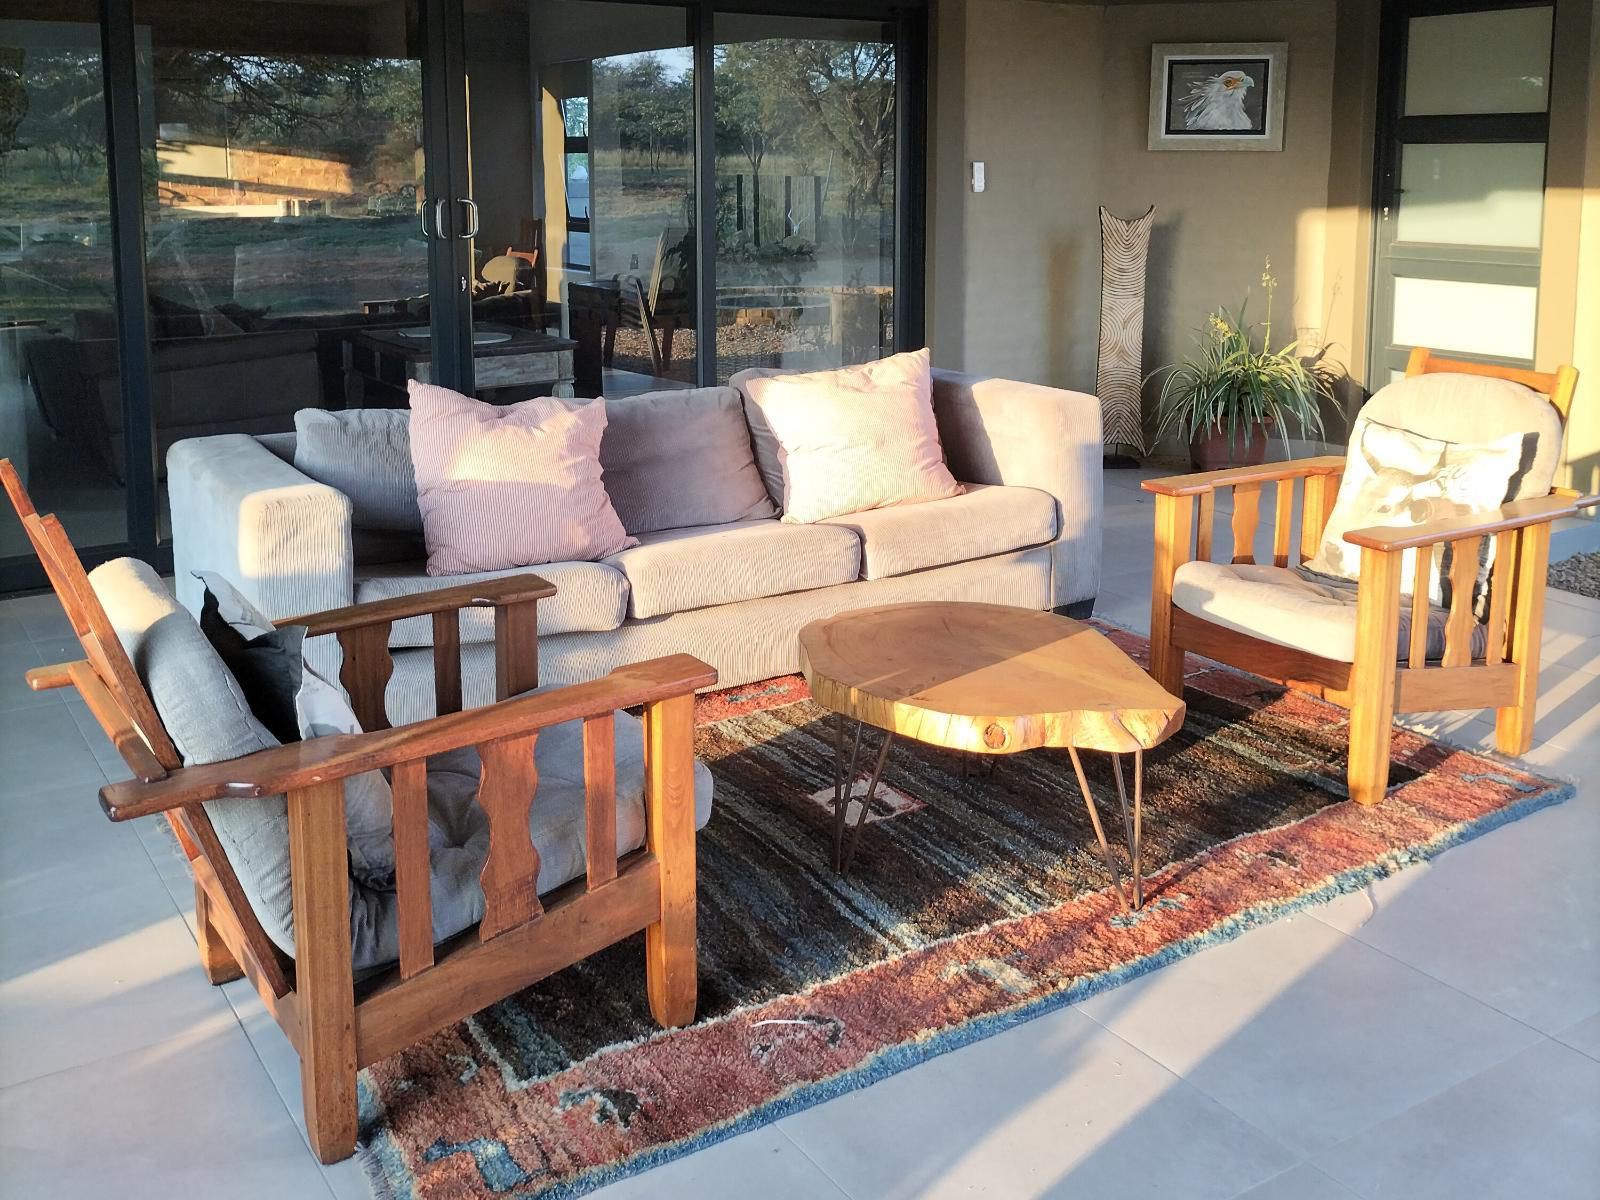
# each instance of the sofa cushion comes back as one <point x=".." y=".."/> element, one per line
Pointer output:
<point x="366" y="454"/>
<point x="511" y="485"/>
<point x="851" y="439"/>
<point x="678" y="569"/>
<point x="1277" y="604"/>
<point x="589" y="596"/>
<point x="682" y="458"/>
<point x="988" y="519"/>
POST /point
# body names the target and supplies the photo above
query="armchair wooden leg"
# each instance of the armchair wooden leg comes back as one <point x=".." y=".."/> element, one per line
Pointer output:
<point x="1174" y="530"/>
<point x="218" y="964"/>
<point x="670" y="952"/>
<point x="1372" y="677"/>
<point x="324" y="984"/>
<point x="1513" y="725"/>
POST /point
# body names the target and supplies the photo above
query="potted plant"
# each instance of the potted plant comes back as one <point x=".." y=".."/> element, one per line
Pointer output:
<point x="1236" y="390"/>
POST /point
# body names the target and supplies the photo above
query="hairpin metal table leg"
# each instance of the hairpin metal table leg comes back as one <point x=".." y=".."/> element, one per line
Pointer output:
<point x="866" y="802"/>
<point x="1100" y="833"/>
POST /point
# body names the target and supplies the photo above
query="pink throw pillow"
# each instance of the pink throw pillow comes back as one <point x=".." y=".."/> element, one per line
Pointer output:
<point x="510" y="485"/>
<point x="856" y="438"/>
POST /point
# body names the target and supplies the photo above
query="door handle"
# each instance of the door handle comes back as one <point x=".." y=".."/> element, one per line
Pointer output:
<point x="438" y="219"/>
<point x="472" y="218"/>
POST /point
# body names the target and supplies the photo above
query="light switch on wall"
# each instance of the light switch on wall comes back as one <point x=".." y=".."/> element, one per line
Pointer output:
<point x="977" y="176"/>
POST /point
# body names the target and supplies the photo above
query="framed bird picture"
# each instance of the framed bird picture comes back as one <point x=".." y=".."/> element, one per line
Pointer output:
<point x="1217" y="95"/>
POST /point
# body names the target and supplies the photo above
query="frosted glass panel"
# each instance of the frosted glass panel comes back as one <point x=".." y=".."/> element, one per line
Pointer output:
<point x="1484" y="194"/>
<point x="1493" y="319"/>
<point x="1482" y="62"/>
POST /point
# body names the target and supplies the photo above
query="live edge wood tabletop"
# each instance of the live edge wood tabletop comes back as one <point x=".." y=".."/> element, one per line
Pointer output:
<point x="334" y="1026"/>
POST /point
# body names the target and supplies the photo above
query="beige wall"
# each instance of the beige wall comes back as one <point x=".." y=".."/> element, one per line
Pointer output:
<point x="1054" y="97"/>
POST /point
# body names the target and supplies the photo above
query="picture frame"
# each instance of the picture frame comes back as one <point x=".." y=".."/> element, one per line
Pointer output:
<point x="1217" y="95"/>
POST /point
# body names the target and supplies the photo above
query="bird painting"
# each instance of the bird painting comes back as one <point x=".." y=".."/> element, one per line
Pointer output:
<point x="1217" y="102"/>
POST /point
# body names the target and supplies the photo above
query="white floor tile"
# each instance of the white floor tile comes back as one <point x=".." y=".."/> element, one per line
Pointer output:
<point x="42" y="748"/>
<point x="190" y="1117"/>
<point x="1528" y="1127"/>
<point x="1056" y="1107"/>
<point x="1304" y="1182"/>
<point x="1510" y="919"/>
<point x="59" y="848"/>
<point x="110" y="973"/>
<point x="17" y="658"/>
<point x="762" y="1162"/>
<point x="1584" y="1036"/>
<point x="1306" y="1033"/>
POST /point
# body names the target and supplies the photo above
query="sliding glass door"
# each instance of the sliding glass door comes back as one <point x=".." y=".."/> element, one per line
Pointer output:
<point x="581" y="169"/>
<point x="805" y="177"/>
<point x="60" y="369"/>
<point x="214" y="216"/>
<point x="1461" y="181"/>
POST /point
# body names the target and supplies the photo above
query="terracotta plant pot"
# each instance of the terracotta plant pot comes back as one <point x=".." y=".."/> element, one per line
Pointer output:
<point x="1217" y="450"/>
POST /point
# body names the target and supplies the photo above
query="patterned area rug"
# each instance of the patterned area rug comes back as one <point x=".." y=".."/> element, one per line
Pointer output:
<point x="979" y="905"/>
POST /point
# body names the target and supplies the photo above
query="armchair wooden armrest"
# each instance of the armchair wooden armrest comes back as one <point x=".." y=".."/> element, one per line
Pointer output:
<point x="363" y="633"/>
<point x="1206" y="481"/>
<point x="495" y="593"/>
<point x="1518" y="514"/>
<point x="321" y="760"/>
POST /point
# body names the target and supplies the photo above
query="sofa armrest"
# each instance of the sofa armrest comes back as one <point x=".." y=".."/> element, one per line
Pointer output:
<point x="1027" y="435"/>
<point x="278" y="536"/>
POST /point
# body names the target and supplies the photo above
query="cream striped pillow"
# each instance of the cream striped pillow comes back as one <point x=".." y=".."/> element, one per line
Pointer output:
<point x="510" y="485"/>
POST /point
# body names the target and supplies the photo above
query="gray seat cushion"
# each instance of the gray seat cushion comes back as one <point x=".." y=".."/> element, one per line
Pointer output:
<point x="679" y="569"/>
<point x="205" y="714"/>
<point x="678" y="459"/>
<point x="1277" y="604"/>
<point x="986" y="520"/>
<point x="590" y="596"/>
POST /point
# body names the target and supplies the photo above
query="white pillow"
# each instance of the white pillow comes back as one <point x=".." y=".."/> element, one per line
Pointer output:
<point x="856" y="438"/>
<point x="1393" y="477"/>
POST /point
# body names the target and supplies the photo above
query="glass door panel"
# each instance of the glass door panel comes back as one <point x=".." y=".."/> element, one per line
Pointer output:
<point x="805" y="140"/>
<point x="581" y="142"/>
<point x="60" y="371"/>
<point x="1461" y="184"/>
<point x="1479" y="62"/>
<point x="284" y="203"/>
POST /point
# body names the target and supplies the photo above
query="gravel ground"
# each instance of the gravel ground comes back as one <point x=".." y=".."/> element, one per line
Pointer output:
<point x="1580" y="574"/>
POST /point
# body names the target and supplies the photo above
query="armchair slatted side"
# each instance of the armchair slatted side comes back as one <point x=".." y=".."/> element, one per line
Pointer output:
<point x="522" y="937"/>
<point x="1377" y="684"/>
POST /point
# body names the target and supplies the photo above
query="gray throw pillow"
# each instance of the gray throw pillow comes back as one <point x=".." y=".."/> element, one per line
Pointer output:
<point x="676" y="459"/>
<point x="366" y="454"/>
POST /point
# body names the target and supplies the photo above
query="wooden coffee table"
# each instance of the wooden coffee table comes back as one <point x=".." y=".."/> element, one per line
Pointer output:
<point x="985" y="679"/>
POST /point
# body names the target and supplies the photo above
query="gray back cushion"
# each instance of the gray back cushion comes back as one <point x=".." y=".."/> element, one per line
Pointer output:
<point x="366" y="454"/>
<point x="209" y="720"/>
<point x="1473" y="409"/>
<point x="681" y="458"/>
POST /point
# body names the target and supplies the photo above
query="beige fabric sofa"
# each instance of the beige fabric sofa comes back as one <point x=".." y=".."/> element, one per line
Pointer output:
<point x="1026" y="533"/>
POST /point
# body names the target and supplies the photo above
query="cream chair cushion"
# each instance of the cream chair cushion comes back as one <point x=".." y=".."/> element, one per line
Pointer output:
<point x="1277" y="604"/>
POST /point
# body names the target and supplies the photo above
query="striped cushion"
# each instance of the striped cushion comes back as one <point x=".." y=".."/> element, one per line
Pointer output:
<point x="510" y="485"/>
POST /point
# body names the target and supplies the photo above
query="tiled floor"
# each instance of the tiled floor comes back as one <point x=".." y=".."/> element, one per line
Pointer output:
<point x="1437" y="1035"/>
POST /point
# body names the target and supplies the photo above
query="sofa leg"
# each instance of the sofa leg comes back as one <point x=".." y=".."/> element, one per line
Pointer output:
<point x="669" y="944"/>
<point x="1078" y="610"/>
<point x="218" y="964"/>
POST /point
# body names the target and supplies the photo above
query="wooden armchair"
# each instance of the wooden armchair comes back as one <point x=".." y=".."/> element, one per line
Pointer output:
<point x="335" y="1025"/>
<point x="1384" y="677"/>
